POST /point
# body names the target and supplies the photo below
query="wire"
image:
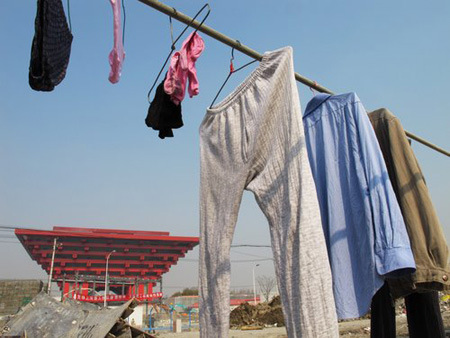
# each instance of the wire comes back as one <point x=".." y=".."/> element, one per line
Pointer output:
<point x="7" y="236"/>
<point x="250" y="246"/>
<point x="171" y="30"/>
<point x="252" y="260"/>
<point x="12" y="227"/>
<point x="8" y="227"/>
<point x="233" y="261"/>
<point x="124" y="21"/>
<point x="184" y="287"/>
<point x="68" y="15"/>
<point x="247" y="254"/>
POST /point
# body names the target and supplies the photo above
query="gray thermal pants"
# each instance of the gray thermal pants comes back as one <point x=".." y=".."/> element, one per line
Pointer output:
<point x="254" y="140"/>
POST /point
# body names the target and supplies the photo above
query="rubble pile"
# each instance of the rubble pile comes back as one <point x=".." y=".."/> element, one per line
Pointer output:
<point x="264" y="314"/>
<point x="46" y="317"/>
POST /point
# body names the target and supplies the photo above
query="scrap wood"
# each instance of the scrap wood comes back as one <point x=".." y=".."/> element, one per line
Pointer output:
<point x="250" y="327"/>
<point x="120" y="325"/>
<point x="125" y="333"/>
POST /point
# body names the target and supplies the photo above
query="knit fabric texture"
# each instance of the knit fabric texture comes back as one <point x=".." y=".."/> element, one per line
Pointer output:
<point x="50" y="50"/>
<point x="163" y="114"/>
<point x="254" y="140"/>
<point x="117" y="54"/>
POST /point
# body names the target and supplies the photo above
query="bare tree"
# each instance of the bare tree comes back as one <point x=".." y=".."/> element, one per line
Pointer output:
<point x="266" y="285"/>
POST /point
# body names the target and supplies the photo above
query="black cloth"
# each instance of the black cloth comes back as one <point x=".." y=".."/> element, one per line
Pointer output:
<point x="382" y="314"/>
<point x="422" y="310"/>
<point x="424" y="315"/>
<point x="163" y="114"/>
<point x="50" y="50"/>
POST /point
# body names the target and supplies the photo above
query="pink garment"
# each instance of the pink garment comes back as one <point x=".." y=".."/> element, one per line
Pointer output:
<point x="182" y="68"/>
<point x="117" y="54"/>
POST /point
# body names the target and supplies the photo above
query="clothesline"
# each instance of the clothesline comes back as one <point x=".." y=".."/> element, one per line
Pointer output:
<point x="254" y="54"/>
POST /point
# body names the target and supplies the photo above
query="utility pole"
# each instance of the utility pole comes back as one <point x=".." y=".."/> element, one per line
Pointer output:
<point x="254" y="285"/>
<point x="106" y="279"/>
<point x="49" y="285"/>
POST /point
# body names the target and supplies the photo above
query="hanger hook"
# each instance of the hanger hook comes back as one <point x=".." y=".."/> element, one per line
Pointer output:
<point x="171" y="33"/>
<point x="172" y="48"/>
<point x="192" y="21"/>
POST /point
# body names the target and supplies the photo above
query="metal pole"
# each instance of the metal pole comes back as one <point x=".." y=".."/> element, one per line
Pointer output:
<point x="75" y="286"/>
<point x="150" y="319"/>
<point x="49" y="285"/>
<point x="190" y="311"/>
<point x="106" y="280"/>
<point x="63" y="287"/>
<point x="159" y="6"/>
<point x="426" y="143"/>
<point x="254" y="285"/>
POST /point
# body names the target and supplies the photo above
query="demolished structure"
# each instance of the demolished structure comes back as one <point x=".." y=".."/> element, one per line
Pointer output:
<point x="263" y="314"/>
<point x="44" y="317"/>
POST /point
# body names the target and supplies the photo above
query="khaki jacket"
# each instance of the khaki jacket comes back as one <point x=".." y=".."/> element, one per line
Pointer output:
<point x="424" y="229"/>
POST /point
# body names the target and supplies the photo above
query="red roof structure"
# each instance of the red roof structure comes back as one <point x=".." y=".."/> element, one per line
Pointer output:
<point x="81" y="253"/>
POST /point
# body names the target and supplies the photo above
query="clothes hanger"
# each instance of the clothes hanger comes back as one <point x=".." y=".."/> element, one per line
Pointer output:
<point x="172" y="47"/>
<point x="124" y="21"/>
<point x="68" y="16"/>
<point x="232" y="71"/>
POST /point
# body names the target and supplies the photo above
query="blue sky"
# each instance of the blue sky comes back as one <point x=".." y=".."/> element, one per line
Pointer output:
<point x="82" y="155"/>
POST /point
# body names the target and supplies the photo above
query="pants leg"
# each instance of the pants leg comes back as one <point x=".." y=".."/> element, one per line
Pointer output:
<point x="424" y="315"/>
<point x="285" y="191"/>
<point x="223" y="176"/>
<point x="256" y="142"/>
<point x="382" y="315"/>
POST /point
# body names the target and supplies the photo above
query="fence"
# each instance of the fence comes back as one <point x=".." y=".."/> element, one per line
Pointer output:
<point x="165" y="321"/>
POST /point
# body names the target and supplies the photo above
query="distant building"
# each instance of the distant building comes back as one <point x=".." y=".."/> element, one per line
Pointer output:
<point x="134" y="260"/>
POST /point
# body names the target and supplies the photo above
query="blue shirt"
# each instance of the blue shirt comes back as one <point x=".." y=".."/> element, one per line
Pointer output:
<point x="362" y="222"/>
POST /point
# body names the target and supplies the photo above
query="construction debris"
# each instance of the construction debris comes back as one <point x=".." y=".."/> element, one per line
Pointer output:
<point x="251" y="328"/>
<point x="264" y="314"/>
<point x="45" y="317"/>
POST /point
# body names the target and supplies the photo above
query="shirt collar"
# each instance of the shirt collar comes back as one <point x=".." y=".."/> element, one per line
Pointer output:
<point x="315" y="102"/>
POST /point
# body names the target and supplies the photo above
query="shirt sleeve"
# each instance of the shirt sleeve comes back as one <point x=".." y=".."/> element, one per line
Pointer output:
<point x="393" y="255"/>
<point x="426" y="235"/>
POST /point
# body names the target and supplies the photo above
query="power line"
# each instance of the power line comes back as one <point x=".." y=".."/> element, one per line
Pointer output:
<point x="190" y="287"/>
<point x="252" y="260"/>
<point x="8" y="236"/>
<point x="247" y="254"/>
<point x="233" y="261"/>
<point x="9" y="242"/>
<point x="6" y="227"/>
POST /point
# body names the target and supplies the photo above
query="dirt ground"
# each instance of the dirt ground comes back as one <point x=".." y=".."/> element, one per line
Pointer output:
<point x="353" y="329"/>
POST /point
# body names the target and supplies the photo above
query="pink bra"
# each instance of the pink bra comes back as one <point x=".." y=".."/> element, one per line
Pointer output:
<point x="182" y="68"/>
